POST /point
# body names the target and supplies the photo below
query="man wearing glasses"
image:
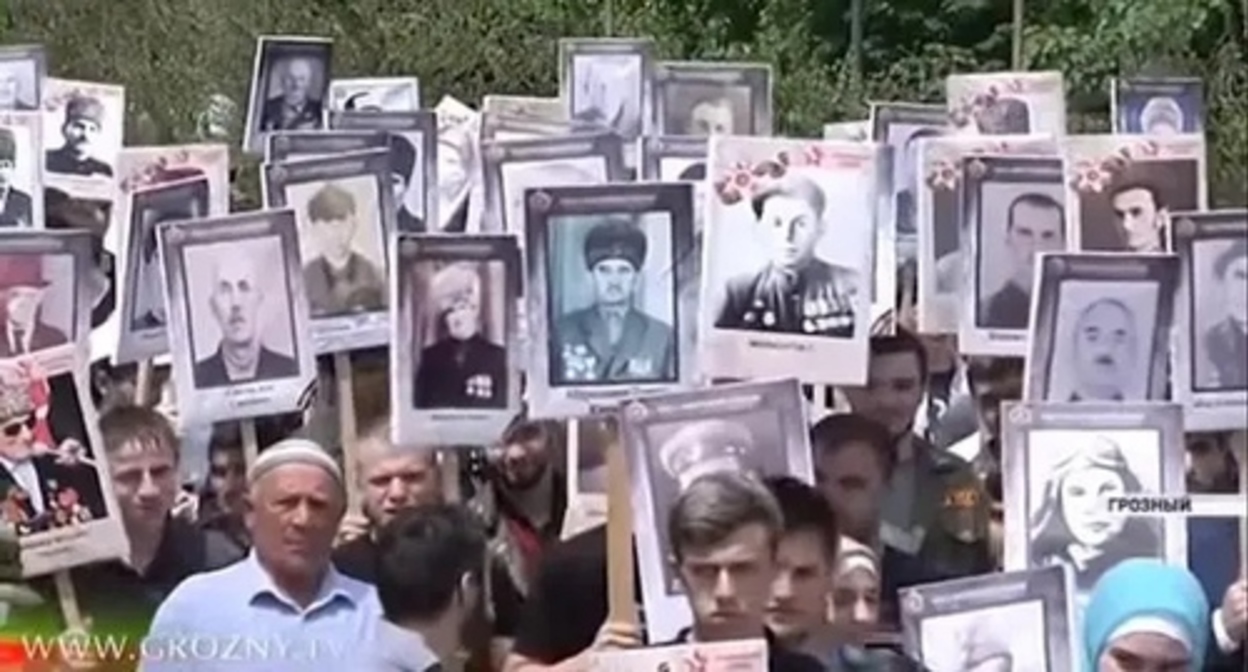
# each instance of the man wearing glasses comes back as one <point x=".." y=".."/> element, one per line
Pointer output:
<point x="22" y="289"/>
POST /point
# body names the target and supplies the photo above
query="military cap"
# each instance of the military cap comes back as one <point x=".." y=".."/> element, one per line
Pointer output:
<point x="15" y="400"/>
<point x="8" y="145"/>
<point x="84" y="107"/>
<point x="792" y="186"/>
<point x="331" y="202"/>
<point x="1235" y="250"/>
<point x="704" y="441"/>
<point x="615" y="239"/>
<point x="455" y="284"/>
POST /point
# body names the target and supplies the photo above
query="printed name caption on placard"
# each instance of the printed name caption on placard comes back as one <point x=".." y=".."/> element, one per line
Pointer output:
<point x="1181" y="506"/>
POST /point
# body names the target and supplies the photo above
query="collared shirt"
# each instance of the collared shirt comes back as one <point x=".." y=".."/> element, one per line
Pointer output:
<point x="19" y="340"/>
<point x="398" y="649"/>
<point x="237" y="619"/>
<point x="27" y="476"/>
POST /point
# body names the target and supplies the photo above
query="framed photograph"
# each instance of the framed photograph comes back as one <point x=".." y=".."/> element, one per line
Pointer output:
<point x="779" y="297"/>
<point x="82" y="130"/>
<point x="702" y="98"/>
<point x="144" y="314"/>
<point x="375" y="94"/>
<point x="587" y="454"/>
<point x="672" y="439"/>
<point x="1101" y="327"/>
<point x="900" y="127"/>
<point x="606" y="278"/>
<point x="525" y="107"/>
<point x="1060" y="461"/>
<point x="1157" y="105"/>
<point x="944" y="244"/>
<point x="234" y="288"/>
<point x="342" y="204"/>
<point x="289" y="87"/>
<point x="281" y="146"/>
<point x="742" y="655"/>
<point x="1121" y="189"/>
<point x="21" y="169"/>
<point x="852" y="131"/>
<point x="457" y="357"/>
<point x="1013" y="207"/>
<point x="23" y="67"/>
<point x="413" y="138"/>
<point x="55" y="483"/>
<point x="1017" y="621"/>
<point x="459" y="166"/>
<point x="45" y="287"/>
<point x="673" y="158"/>
<point x="1210" y="369"/>
<point x="512" y="167"/>
<point x="608" y="82"/>
<point x="143" y="167"/>
<point x="1007" y="103"/>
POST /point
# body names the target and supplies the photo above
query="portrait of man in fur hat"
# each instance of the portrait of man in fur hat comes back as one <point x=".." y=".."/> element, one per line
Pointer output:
<point x="463" y="367"/>
<point x="15" y="204"/>
<point x="84" y="121"/>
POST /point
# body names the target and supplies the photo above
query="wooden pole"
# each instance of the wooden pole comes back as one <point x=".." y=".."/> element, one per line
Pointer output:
<point x="251" y="444"/>
<point x="347" y="430"/>
<point x="143" y="392"/>
<point x="621" y="590"/>
<point x="68" y="598"/>
<point x="1017" y="41"/>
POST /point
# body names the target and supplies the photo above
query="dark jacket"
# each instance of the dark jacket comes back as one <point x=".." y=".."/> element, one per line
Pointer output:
<point x="211" y="372"/>
<point x="44" y="336"/>
<point x="818" y="302"/>
<point x="17" y="210"/>
<point x="309" y="118"/>
<point x="54" y="477"/>
<point x="1227" y="346"/>
<point x="64" y="161"/>
<point x="582" y="351"/>
<point x="461" y="374"/>
<point x="1008" y="308"/>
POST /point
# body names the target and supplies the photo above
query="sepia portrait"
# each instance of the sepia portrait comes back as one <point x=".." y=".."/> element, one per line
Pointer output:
<point x="1007" y="103"/>
<point x="699" y="99"/>
<point x="44" y="308"/>
<point x="375" y="94"/>
<point x="1157" y="105"/>
<point x="82" y="132"/>
<point x="23" y="68"/>
<point x="289" y="87"/>
<point x="412" y="138"/>
<point x="21" y="172"/>
<point x="607" y="82"/>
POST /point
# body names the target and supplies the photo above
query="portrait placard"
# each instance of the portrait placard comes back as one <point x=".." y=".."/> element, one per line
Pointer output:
<point x="672" y="439"/>
<point x="781" y="304"/>
<point x="413" y="138"/>
<point x="1157" y="105"/>
<point x="608" y="294"/>
<point x="459" y="166"/>
<point x="289" y="87"/>
<point x="23" y="68"/>
<point x="1015" y="620"/>
<point x="944" y="243"/>
<point x="525" y="107"/>
<point x="502" y="127"/>
<point x="1101" y="326"/>
<point x="283" y="146"/>
<point x="456" y="378"/>
<point x="899" y="127"/>
<point x="82" y="130"/>
<point x="1121" y="189"/>
<point x="21" y="168"/>
<point x="703" y="98"/>
<point x="61" y="505"/>
<point x="144" y="317"/>
<point x="1013" y="209"/>
<point x="1061" y="461"/>
<point x="375" y="94"/>
<point x="741" y="655"/>
<point x="238" y="327"/>
<point x="46" y="282"/>
<point x="512" y="167"/>
<point x="1210" y="366"/>
<point x="608" y="82"/>
<point x="142" y="167"/>
<point x="342" y="205"/>
<point x="1007" y="103"/>
<point x="853" y="131"/>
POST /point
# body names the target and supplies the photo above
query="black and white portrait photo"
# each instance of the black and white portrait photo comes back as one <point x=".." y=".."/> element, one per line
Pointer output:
<point x="1018" y="621"/>
<point x="143" y="299"/>
<point x="1061" y="463"/>
<point x="607" y="82"/>
<point x="22" y="70"/>
<point x="21" y="185"/>
<point x="82" y="128"/>
<point x="284" y="146"/>
<point x="672" y="439"/>
<point x="1157" y="105"/>
<point x="412" y="138"/>
<point x="459" y="165"/>
<point x="697" y="98"/>
<point x="375" y="94"/>
<point x="454" y="337"/>
<point x="38" y="295"/>
<point x="789" y="245"/>
<point x="1211" y="348"/>
<point x="1122" y="189"/>
<point x="289" y="87"/>
<point x="901" y="126"/>
<point x="1102" y="331"/>
<point x="1007" y="103"/>
<point x="1016" y="212"/>
<point x="236" y="307"/>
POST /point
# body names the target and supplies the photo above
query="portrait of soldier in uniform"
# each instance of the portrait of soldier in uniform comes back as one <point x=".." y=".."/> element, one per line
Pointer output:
<point x="1161" y="115"/>
<point x="463" y="368"/>
<point x="339" y="280"/>
<point x="796" y="292"/>
<point x="1035" y="223"/>
<point x="23" y="287"/>
<point x="613" y="340"/>
<point x="83" y="123"/>
<point x="1222" y="351"/>
<point x="1107" y="351"/>
<point x="1140" y="213"/>
<point x="15" y="204"/>
<point x="1004" y="116"/>
<point x="297" y="107"/>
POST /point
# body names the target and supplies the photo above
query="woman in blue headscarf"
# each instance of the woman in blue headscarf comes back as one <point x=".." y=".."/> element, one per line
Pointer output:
<point x="1146" y="616"/>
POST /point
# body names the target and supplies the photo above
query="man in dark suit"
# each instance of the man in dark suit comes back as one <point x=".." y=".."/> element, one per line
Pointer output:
<point x="84" y="120"/>
<point x="241" y="356"/>
<point x="22" y="287"/>
<point x="1226" y="343"/>
<point x="462" y="369"/>
<point x="612" y="340"/>
<point x="1034" y="224"/>
<point x="294" y="109"/>
<point x="15" y="208"/>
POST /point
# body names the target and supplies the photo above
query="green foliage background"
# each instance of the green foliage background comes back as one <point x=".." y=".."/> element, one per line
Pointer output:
<point x="173" y="54"/>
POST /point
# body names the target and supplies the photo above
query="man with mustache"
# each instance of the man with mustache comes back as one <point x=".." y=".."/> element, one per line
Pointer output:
<point x="84" y="120"/>
<point x="15" y="204"/>
<point x="1106" y="350"/>
<point x="241" y="356"/>
<point x="294" y="109"/>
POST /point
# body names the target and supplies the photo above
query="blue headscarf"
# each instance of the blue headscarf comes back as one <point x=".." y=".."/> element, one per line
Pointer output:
<point x="1141" y="587"/>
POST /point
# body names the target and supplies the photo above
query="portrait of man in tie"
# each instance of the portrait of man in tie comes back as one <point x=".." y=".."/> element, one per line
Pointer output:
<point x="23" y="289"/>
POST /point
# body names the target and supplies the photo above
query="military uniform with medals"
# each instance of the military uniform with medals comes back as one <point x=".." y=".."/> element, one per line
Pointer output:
<point x="460" y="373"/>
<point x="815" y="300"/>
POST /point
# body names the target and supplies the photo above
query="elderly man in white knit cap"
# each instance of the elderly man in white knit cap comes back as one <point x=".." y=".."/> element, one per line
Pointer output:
<point x="284" y="607"/>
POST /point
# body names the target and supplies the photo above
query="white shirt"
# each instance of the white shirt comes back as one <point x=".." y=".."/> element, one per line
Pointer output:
<point x="26" y="476"/>
<point x="22" y="347"/>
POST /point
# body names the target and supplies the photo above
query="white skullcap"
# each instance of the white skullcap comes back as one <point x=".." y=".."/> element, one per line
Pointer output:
<point x="1153" y="625"/>
<point x="294" y="451"/>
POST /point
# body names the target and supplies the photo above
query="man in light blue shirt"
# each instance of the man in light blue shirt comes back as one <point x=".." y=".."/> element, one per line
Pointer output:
<point x="284" y="607"/>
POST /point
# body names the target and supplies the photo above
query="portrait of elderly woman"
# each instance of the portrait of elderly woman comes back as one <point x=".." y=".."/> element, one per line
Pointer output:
<point x="463" y="367"/>
<point x="1070" y="525"/>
